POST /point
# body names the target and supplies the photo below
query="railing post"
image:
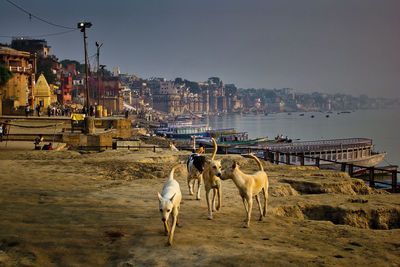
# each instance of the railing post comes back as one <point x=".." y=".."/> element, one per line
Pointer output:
<point x="302" y="159"/>
<point x="343" y="167"/>
<point x="266" y="155"/>
<point x="317" y="162"/>
<point x="276" y="157"/>
<point x="351" y="168"/>
<point x="226" y="150"/>
<point x="371" y="177"/>
<point x="154" y="149"/>
<point x="394" y="181"/>
<point x="128" y="147"/>
<point x="248" y="150"/>
<point x="288" y="159"/>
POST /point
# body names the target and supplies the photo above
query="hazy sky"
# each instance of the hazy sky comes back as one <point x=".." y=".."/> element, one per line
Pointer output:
<point x="347" y="46"/>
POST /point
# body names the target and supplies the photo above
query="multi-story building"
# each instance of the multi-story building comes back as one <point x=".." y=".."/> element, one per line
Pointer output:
<point x="38" y="46"/>
<point x="18" y="91"/>
<point x="42" y="51"/>
<point x="65" y="91"/>
<point x="167" y="88"/>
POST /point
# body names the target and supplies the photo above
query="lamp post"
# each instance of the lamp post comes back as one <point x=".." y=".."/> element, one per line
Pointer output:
<point x="98" y="72"/>
<point x="83" y="26"/>
<point x="102" y="75"/>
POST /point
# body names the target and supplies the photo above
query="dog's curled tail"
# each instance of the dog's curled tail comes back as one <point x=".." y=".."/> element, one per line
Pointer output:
<point x="258" y="162"/>
<point x="171" y="174"/>
<point x="215" y="148"/>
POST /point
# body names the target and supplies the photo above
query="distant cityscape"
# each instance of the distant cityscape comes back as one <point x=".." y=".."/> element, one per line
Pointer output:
<point x="62" y="83"/>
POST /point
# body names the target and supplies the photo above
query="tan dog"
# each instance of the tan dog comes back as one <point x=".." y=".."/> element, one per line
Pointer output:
<point x="211" y="177"/>
<point x="249" y="185"/>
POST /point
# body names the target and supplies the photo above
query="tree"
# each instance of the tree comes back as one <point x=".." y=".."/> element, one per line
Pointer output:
<point x="179" y="81"/>
<point x="5" y="74"/>
<point x="79" y="67"/>
<point x="45" y="68"/>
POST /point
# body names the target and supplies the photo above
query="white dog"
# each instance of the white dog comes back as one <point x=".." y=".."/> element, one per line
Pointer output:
<point x="169" y="203"/>
<point x="249" y="186"/>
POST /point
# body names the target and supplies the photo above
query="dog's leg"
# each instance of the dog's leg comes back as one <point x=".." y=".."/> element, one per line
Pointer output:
<point x="190" y="184"/>
<point x="259" y="206"/>
<point x="250" y="206"/>
<point x="178" y="221"/>
<point x="219" y="195"/>
<point x="213" y="199"/>
<point x="265" y="190"/>
<point x="166" y="228"/>
<point x="199" y="183"/>
<point x="208" y="203"/>
<point x="245" y="207"/>
<point x="245" y="204"/>
<point x="171" y="233"/>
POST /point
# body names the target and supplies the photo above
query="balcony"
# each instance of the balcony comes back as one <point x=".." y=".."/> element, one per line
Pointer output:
<point x="20" y="69"/>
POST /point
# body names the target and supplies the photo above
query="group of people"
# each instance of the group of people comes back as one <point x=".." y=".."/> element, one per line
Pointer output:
<point x="51" y="111"/>
<point x="281" y="139"/>
<point x="38" y="144"/>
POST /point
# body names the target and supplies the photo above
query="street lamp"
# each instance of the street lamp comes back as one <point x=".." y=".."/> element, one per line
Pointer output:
<point x="98" y="72"/>
<point x="102" y="76"/>
<point x="83" y="26"/>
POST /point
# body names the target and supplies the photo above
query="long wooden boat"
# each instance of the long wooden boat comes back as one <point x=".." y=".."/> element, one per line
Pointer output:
<point x="256" y="141"/>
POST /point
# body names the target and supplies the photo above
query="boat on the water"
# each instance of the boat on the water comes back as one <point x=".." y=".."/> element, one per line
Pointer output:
<point x="226" y="141"/>
<point x="183" y="130"/>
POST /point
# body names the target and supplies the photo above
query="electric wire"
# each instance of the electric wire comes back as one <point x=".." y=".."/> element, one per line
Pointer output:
<point x="38" y="18"/>
<point x="42" y="35"/>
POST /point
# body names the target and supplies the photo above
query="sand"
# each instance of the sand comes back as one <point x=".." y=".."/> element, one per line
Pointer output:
<point x="101" y="209"/>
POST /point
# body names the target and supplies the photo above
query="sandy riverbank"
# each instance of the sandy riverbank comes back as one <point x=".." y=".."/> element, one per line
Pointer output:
<point x="100" y="209"/>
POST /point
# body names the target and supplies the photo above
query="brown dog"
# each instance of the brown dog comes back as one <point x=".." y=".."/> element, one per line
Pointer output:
<point x="211" y="177"/>
<point x="249" y="185"/>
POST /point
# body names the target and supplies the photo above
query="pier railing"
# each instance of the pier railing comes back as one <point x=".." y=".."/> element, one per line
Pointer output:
<point x="368" y="174"/>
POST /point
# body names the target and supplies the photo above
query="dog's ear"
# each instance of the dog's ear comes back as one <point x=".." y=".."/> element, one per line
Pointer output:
<point x="235" y="165"/>
<point x="172" y="197"/>
<point x="159" y="196"/>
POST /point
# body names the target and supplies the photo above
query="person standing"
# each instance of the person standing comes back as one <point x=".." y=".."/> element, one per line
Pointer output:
<point x="48" y="111"/>
<point x="27" y="110"/>
<point x="38" y="110"/>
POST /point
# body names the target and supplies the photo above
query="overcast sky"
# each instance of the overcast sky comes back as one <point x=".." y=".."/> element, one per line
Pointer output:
<point x="346" y="46"/>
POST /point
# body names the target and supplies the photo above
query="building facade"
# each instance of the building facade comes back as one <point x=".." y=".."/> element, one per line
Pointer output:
<point x="18" y="91"/>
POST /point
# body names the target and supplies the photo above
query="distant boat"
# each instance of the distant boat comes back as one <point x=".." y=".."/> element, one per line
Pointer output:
<point x="302" y="114"/>
<point x="327" y="116"/>
<point x="312" y="116"/>
<point x="231" y="143"/>
<point x="183" y="130"/>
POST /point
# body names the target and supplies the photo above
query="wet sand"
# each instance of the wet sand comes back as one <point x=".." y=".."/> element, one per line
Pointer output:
<point x="101" y="209"/>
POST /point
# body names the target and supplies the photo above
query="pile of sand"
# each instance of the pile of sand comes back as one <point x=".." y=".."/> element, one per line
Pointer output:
<point x="101" y="209"/>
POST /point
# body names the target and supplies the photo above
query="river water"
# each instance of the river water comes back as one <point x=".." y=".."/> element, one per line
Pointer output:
<point x="382" y="126"/>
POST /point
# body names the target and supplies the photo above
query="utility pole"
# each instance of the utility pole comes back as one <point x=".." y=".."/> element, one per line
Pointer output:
<point x="102" y="75"/>
<point x="83" y="26"/>
<point x="98" y="72"/>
